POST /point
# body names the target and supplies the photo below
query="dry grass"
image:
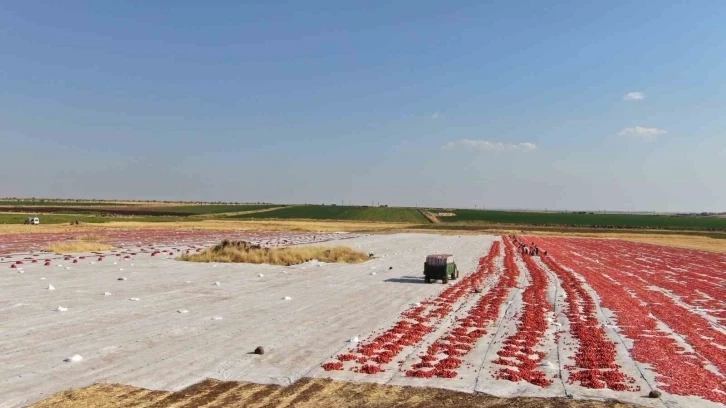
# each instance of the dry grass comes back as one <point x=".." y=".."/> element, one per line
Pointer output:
<point x="241" y="252"/>
<point x="431" y="217"/>
<point x="676" y="241"/>
<point x="306" y="393"/>
<point x="77" y="245"/>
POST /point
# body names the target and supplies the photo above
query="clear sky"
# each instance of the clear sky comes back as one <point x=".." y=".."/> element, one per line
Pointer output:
<point x="504" y="104"/>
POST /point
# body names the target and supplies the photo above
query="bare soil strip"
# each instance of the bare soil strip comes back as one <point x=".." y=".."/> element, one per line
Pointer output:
<point x="214" y="215"/>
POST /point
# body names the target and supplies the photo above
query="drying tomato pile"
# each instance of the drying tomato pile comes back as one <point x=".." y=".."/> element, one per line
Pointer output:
<point x="441" y="357"/>
<point x="670" y="304"/>
<point x="415" y="323"/>
<point x="518" y="354"/>
<point x="653" y="290"/>
<point x="595" y="365"/>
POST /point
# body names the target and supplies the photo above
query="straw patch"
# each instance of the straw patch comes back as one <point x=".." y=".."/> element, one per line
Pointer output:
<point x="243" y="252"/>
<point x="77" y="245"/>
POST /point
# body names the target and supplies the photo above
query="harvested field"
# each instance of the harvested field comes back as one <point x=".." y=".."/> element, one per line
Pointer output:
<point x="306" y="393"/>
<point x="595" y="320"/>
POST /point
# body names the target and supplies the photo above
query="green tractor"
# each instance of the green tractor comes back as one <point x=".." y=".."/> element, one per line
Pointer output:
<point x="440" y="266"/>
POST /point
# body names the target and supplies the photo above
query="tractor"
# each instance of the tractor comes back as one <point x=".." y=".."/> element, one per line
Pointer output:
<point x="440" y="266"/>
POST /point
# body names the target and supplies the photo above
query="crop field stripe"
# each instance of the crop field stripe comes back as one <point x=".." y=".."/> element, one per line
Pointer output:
<point x="587" y="220"/>
<point x="316" y="212"/>
<point x="609" y="270"/>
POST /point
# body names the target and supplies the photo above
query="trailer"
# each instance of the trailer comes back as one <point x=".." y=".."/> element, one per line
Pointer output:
<point x="440" y="266"/>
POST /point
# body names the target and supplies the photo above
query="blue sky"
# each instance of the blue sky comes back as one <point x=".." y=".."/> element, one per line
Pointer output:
<point x="531" y="104"/>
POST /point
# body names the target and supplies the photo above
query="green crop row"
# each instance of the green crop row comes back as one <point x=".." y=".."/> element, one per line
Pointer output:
<point x="346" y="213"/>
<point x="588" y="220"/>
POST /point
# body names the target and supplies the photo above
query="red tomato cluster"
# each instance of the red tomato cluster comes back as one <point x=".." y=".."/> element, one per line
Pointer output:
<point x="346" y="357"/>
<point x="646" y="286"/>
<point x="519" y="349"/>
<point x="369" y="369"/>
<point x="337" y="366"/>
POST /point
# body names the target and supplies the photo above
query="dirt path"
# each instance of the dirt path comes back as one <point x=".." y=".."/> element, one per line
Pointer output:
<point x="208" y="216"/>
<point x="431" y="217"/>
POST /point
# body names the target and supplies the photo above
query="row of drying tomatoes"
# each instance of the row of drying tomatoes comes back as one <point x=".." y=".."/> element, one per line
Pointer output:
<point x="415" y="323"/>
<point x="519" y="349"/>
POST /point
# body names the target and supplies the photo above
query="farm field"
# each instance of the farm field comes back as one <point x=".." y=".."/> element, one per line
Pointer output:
<point x="137" y="210"/>
<point x="587" y="220"/>
<point x="58" y="212"/>
<point x="213" y="209"/>
<point x="18" y="218"/>
<point x="319" y="212"/>
<point x="72" y="203"/>
<point x="592" y="320"/>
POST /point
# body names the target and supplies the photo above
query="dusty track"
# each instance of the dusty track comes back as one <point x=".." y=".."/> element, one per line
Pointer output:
<point x="306" y="393"/>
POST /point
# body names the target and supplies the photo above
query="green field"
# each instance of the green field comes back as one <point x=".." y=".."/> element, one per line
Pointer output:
<point x="211" y="209"/>
<point x="587" y="220"/>
<point x="345" y="213"/>
<point x="6" y="218"/>
<point x="54" y="212"/>
<point x="50" y="218"/>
